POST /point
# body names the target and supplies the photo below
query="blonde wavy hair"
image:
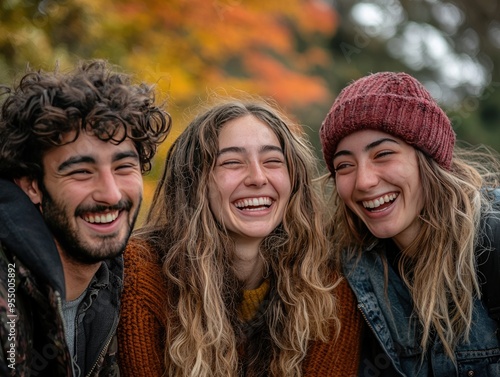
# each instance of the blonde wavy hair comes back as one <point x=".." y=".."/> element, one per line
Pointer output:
<point x="439" y="266"/>
<point x="204" y="334"/>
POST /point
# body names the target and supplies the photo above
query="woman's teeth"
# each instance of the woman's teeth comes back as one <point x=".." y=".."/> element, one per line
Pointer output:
<point x="378" y="202"/>
<point x="253" y="203"/>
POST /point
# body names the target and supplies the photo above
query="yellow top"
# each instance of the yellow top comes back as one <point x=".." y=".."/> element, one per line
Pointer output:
<point x="252" y="300"/>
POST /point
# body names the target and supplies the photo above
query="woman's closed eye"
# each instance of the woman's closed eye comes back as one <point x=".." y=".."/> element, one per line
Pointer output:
<point x="384" y="153"/>
<point x="343" y="167"/>
<point x="274" y="162"/>
<point x="230" y="163"/>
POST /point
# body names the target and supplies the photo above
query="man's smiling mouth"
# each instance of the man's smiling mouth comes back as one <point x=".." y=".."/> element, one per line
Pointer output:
<point x="103" y="218"/>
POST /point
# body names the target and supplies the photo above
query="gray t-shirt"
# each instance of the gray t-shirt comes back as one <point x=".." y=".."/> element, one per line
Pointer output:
<point x="69" y="309"/>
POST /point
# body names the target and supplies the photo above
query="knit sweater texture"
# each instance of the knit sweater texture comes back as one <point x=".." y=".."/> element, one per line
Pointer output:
<point x="141" y="332"/>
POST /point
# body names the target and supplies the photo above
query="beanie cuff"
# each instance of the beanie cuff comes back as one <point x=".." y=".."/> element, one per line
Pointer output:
<point x="417" y="121"/>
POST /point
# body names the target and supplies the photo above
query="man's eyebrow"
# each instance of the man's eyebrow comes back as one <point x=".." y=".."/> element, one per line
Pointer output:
<point x="75" y="160"/>
<point x="367" y="148"/>
<point x="125" y="154"/>
<point x="264" y="148"/>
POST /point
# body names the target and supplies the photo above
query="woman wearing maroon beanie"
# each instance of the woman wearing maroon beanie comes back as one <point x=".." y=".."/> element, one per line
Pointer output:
<point x="408" y="216"/>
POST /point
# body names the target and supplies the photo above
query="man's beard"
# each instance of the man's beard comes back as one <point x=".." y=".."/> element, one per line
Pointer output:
<point x="71" y="244"/>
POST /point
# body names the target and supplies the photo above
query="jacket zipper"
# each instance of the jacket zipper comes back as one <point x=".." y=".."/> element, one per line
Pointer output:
<point x="360" y="306"/>
<point x="105" y="348"/>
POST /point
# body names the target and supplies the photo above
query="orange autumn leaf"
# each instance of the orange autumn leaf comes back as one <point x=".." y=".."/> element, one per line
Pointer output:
<point x="284" y="84"/>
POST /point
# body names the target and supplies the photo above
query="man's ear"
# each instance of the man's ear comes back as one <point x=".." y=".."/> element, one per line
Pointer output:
<point x="31" y="188"/>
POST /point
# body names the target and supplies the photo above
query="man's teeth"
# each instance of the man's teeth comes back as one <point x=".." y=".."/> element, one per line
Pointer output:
<point x="101" y="219"/>
<point x="253" y="202"/>
<point x="378" y="202"/>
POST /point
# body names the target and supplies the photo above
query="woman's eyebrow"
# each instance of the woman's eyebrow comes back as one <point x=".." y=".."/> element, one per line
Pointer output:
<point x="378" y="142"/>
<point x="372" y="145"/>
<point x="231" y="149"/>
<point x="264" y="148"/>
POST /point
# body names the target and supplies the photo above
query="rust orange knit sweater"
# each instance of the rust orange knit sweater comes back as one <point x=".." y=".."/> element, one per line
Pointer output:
<point x="141" y="332"/>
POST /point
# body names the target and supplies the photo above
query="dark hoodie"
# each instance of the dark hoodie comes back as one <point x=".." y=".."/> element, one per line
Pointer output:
<point x="32" y="340"/>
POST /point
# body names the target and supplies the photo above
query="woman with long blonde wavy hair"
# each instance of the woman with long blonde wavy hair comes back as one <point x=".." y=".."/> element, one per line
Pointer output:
<point x="231" y="274"/>
<point x="408" y="214"/>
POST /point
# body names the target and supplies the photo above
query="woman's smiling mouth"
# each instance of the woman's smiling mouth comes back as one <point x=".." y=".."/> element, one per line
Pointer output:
<point x="254" y="204"/>
<point x="376" y="203"/>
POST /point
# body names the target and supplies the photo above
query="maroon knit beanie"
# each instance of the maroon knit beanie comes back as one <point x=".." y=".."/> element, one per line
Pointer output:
<point x="395" y="103"/>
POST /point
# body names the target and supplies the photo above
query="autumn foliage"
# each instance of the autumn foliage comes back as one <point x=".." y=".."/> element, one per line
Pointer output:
<point x="190" y="49"/>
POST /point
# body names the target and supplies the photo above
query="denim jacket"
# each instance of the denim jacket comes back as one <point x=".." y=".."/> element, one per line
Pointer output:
<point x="391" y="321"/>
<point x="393" y="333"/>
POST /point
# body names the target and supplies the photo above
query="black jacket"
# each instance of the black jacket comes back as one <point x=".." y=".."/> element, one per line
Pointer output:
<point x="32" y="340"/>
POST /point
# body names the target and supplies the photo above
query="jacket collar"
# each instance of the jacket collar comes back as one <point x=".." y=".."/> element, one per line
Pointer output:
<point x="26" y="235"/>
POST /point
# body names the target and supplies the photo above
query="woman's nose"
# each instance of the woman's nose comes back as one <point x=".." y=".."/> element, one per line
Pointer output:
<point x="366" y="176"/>
<point x="256" y="175"/>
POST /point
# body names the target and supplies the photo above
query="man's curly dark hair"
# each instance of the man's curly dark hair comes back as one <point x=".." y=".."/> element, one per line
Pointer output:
<point x="93" y="98"/>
